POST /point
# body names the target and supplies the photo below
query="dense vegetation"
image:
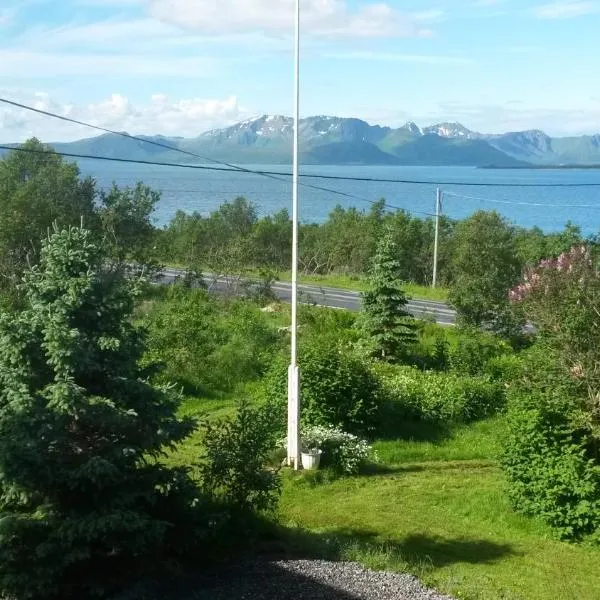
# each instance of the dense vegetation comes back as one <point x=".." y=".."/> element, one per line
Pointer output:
<point x="142" y="426"/>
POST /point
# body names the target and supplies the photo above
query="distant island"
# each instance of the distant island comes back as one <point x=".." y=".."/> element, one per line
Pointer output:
<point x="347" y="141"/>
<point x="545" y="167"/>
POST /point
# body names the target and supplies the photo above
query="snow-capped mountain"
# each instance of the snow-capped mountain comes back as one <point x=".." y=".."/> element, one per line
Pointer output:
<point x="334" y="140"/>
<point x="452" y="130"/>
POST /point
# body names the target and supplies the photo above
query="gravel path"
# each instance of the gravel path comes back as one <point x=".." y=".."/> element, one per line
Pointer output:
<point x="310" y="580"/>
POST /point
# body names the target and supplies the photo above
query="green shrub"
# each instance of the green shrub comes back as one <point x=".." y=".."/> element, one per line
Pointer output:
<point x="505" y="368"/>
<point x="233" y="468"/>
<point x="337" y="389"/>
<point x="327" y="325"/>
<point x="343" y="452"/>
<point x="550" y="456"/>
<point x="439" y="397"/>
<point x="206" y="342"/>
<point x="473" y="350"/>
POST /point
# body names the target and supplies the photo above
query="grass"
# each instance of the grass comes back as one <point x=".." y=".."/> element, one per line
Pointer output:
<point x="353" y="283"/>
<point x="438" y="508"/>
<point x="422" y="443"/>
<point x="348" y="282"/>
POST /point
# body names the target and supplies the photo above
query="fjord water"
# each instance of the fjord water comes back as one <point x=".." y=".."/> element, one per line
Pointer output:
<point x="203" y="191"/>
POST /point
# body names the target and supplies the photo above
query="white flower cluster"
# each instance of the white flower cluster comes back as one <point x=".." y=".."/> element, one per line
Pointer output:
<point x="342" y="451"/>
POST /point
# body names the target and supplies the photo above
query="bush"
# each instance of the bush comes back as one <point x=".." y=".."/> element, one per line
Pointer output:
<point x="343" y="452"/>
<point x="474" y="349"/>
<point x="552" y="452"/>
<point x="549" y="453"/>
<point x="337" y="389"/>
<point x="206" y="342"/>
<point x="439" y="397"/>
<point x="233" y="467"/>
<point x="505" y="368"/>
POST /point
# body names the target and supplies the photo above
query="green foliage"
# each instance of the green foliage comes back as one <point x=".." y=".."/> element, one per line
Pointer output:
<point x="533" y="245"/>
<point x="208" y="343"/>
<point x="385" y="319"/>
<point x="438" y="397"/>
<point x="233" y="466"/>
<point x="337" y="389"/>
<point x="83" y="499"/>
<point x="222" y="243"/>
<point x="550" y="456"/>
<point x="474" y="349"/>
<point x="505" y="368"/>
<point x="343" y="453"/>
<point x="126" y="220"/>
<point x="37" y="190"/>
<point x="485" y="265"/>
<point x="327" y="325"/>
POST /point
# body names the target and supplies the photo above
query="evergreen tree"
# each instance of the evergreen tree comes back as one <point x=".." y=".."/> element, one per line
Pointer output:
<point x="385" y="318"/>
<point x="83" y="499"/>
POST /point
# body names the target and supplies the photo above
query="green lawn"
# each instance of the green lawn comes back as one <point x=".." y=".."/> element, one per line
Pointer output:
<point x="435" y="506"/>
<point x="439" y="509"/>
<point x="347" y="282"/>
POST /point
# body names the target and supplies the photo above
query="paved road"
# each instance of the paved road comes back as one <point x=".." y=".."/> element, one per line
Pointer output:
<point x="327" y="296"/>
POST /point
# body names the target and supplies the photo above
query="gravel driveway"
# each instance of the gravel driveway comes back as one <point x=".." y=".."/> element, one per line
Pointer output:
<point x="309" y="580"/>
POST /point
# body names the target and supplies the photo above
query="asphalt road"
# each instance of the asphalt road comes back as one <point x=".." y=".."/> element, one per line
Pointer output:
<point x="324" y="296"/>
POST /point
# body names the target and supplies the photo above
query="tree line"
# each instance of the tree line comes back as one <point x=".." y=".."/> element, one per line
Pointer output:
<point x="480" y="258"/>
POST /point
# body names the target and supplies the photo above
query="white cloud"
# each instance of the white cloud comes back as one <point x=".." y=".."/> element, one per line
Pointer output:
<point x="95" y="34"/>
<point x="160" y="115"/>
<point x="427" y="59"/>
<point x="433" y="14"/>
<point x="27" y="64"/>
<point x="567" y="9"/>
<point x="488" y="2"/>
<point x="327" y="18"/>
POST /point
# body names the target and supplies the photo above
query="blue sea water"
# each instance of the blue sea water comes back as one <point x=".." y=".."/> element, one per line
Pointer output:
<point x="203" y="191"/>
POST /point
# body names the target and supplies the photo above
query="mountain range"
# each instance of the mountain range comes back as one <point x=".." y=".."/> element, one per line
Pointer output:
<point x="344" y="141"/>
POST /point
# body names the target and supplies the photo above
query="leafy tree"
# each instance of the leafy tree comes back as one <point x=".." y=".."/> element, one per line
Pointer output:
<point x="385" y="318"/>
<point x="273" y="241"/>
<point x="533" y="245"/>
<point x="83" y="500"/>
<point x="126" y="218"/>
<point x="485" y="266"/>
<point x="37" y="188"/>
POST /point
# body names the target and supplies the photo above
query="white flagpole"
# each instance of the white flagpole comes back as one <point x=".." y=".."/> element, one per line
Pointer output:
<point x="293" y="372"/>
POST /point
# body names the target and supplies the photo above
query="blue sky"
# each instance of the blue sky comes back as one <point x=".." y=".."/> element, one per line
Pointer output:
<point x="180" y="67"/>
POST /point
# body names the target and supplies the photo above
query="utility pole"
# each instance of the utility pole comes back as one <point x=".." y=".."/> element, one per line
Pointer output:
<point x="438" y="209"/>
<point x="293" y="437"/>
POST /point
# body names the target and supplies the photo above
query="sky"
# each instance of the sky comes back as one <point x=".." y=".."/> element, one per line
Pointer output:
<point x="181" y="67"/>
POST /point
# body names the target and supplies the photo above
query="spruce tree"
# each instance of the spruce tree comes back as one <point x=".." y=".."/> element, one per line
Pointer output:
<point x="385" y="318"/>
<point x="83" y="499"/>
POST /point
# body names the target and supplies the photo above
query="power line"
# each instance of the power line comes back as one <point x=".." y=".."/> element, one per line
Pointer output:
<point x="541" y="204"/>
<point x="276" y="174"/>
<point x="199" y="167"/>
<point x="176" y="165"/>
<point x="126" y="135"/>
<point x="230" y="166"/>
<point x="389" y="208"/>
<point x="454" y="183"/>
